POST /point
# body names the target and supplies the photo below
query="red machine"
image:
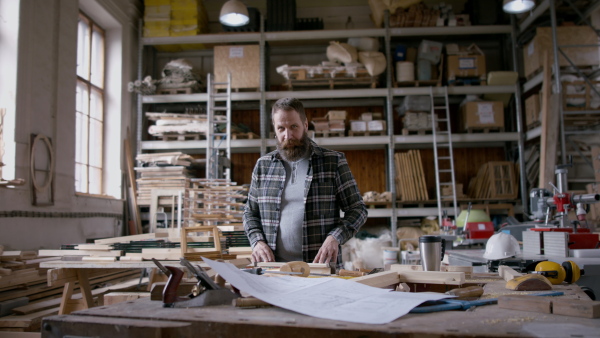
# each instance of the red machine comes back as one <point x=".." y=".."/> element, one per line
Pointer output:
<point x="478" y="230"/>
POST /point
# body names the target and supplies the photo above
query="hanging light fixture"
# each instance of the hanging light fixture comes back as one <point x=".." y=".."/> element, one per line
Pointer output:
<point x="234" y="13"/>
<point x="517" y="6"/>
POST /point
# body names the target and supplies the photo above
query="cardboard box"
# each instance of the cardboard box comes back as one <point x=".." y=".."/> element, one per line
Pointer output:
<point x="241" y="61"/>
<point x="376" y="125"/>
<point x="482" y="114"/>
<point x="533" y="52"/>
<point x="337" y="125"/>
<point x="366" y="116"/>
<point x="320" y="124"/>
<point x="532" y="109"/>
<point x="336" y="115"/>
<point x="358" y="125"/>
<point x="468" y="62"/>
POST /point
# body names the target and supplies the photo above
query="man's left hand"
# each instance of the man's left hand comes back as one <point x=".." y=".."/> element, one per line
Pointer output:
<point x="328" y="251"/>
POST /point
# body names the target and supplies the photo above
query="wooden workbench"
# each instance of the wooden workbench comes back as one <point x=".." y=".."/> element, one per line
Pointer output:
<point x="146" y="318"/>
<point x="68" y="273"/>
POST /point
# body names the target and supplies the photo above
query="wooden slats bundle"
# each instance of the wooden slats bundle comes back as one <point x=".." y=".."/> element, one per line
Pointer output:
<point x="410" y="177"/>
<point x="494" y="180"/>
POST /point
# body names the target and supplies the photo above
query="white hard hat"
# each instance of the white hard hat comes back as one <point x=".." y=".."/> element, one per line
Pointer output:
<point x="501" y="245"/>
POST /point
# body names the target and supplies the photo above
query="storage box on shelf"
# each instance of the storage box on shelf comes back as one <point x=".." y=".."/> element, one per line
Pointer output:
<point x="533" y="52"/>
<point x="242" y="61"/>
<point x="482" y="116"/>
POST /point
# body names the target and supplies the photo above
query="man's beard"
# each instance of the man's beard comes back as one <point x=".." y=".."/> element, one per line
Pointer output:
<point x="294" y="150"/>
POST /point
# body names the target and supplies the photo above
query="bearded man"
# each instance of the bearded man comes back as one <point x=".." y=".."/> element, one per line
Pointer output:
<point x="296" y="194"/>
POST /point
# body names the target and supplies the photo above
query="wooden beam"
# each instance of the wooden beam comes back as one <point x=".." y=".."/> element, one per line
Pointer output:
<point x="549" y="135"/>
<point x="433" y="277"/>
<point x="508" y="273"/>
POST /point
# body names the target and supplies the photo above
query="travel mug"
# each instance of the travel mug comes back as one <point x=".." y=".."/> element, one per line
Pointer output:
<point x="432" y="252"/>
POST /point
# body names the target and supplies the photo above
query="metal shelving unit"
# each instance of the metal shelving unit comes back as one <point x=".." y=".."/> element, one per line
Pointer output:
<point x="389" y="142"/>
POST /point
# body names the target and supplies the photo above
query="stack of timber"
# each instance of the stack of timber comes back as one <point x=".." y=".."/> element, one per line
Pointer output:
<point x="494" y="180"/>
<point x="327" y="75"/>
<point x="410" y="178"/>
<point x="164" y="177"/>
<point x="181" y="127"/>
<point x="27" y="295"/>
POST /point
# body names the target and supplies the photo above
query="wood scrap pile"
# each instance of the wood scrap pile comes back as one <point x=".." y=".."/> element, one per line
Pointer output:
<point x="26" y="296"/>
<point x="494" y="180"/>
<point x="410" y="178"/>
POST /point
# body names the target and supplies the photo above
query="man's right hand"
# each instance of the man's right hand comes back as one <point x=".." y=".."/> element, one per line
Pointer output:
<point x="262" y="253"/>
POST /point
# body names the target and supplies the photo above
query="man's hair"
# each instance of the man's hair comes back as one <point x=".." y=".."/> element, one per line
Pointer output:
<point x="289" y="104"/>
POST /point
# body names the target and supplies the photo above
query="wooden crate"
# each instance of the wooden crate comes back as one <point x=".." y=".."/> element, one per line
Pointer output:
<point x="243" y="62"/>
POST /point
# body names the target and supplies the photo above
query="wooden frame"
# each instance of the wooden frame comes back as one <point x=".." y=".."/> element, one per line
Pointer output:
<point x="195" y="256"/>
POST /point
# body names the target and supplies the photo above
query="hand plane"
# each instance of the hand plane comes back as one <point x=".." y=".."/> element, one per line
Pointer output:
<point x="206" y="291"/>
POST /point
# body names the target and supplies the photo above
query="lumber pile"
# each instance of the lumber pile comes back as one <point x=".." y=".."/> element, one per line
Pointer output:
<point x="410" y="178"/>
<point x="494" y="180"/>
<point x="164" y="178"/>
<point x="26" y="297"/>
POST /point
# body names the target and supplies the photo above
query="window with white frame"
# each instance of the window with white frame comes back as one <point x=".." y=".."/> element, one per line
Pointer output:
<point x="89" y="148"/>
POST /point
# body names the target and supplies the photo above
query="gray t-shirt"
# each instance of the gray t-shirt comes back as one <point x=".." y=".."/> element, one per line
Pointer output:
<point x="289" y="236"/>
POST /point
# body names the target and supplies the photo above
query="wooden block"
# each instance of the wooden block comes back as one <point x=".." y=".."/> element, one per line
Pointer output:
<point x="7" y="306"/>
<point x="433" y="277"/>
<point x="508" y="273"/>
<point x="404" y="267"/>
<point x="468" y="270"/>
<point x="576" y="308"/>
<point x="101" y="247"/>
<point x="379" y="280"/>
<point x="118" y="297"/>
<point x="526" y="303"/>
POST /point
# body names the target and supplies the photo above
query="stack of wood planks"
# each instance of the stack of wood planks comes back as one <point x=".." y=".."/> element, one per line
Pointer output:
<point x="165" y="178"/>
<point x="494" y="180"/>
<point x="26" y="296"/>
<point x="410" y="178"/>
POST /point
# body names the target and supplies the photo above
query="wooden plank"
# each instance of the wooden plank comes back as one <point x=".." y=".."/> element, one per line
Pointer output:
<point x="7" y="306"/>
<point x="135" y="210"/>
<point x="433" y="277"/>
<point x="422" y="182"/>
<point x="98" y="259"/>
<point x="549" y="119"/>
<point x="125" y="239"/>
<point x="26" y="320"/>
<point x="576" y="308"/>
<point x="101" y="247"/>
<point x="118" y="297"/>
<point x="111" y="253"/>
<point x="526" y="303"/>
<point x="378" y="280"/>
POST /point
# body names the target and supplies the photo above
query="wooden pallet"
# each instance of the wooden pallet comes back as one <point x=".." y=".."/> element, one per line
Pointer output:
<point x="485" y="130"/>
<point x="173" y="91"/>
<point x="366" y="133"/>
<point x="410" y="177"/>
<point x="333" y="83"/>
<point x="244" y="136"/>
<point x="467" y="81"/>
<point x="416" y="132"/>
<point x="324" y="133"/>
<point x="181" y="137"/>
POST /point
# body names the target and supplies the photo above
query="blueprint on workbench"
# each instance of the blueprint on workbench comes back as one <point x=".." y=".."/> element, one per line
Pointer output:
<point x="329" y="298"/>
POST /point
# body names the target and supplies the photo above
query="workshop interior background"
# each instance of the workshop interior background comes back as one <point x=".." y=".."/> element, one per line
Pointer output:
<point x="38" y="51"/>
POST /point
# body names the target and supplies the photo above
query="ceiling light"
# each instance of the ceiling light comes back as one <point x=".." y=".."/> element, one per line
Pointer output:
<point x="517" y="6"/>
<point x="234" y="13"/>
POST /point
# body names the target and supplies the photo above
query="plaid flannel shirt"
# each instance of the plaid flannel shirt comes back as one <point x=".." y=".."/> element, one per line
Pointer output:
<point x="329" y="187"/>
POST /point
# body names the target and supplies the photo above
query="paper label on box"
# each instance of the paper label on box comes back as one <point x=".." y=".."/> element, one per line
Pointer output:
<point x="530" y="49"/>
<point x="486" y="113"/>
<point x="481" y="226"/>
<point x="236" y="52"/>
<point x="467" y="63"/>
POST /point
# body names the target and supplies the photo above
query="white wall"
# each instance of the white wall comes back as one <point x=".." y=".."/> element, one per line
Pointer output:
<point x="45" y="104"/>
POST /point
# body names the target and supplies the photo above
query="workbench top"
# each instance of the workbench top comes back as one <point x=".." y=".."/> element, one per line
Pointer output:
<point x="144" y="317"/>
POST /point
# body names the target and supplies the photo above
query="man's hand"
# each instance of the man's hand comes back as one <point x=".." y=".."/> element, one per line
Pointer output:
<point x="328" y="251"/>
<point x="262" y="253"/>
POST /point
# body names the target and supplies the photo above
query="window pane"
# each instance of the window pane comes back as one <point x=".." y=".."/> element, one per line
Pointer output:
<point x="97" y="66"/>
<point x="95" y="143"/>
<point x="83" y="48"/>
<point x="95" y="186"/>
<point x="96" y="105"/>
<point x="81" y="98"/>
<point x="81" y="178"/>
<point x="82" y="138"/>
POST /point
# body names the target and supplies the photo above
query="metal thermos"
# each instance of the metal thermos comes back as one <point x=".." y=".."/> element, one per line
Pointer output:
<point x="432" y="252"/>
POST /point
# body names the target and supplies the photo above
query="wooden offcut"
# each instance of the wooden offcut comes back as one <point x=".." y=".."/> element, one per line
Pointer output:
<point x="379" y="280"/>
